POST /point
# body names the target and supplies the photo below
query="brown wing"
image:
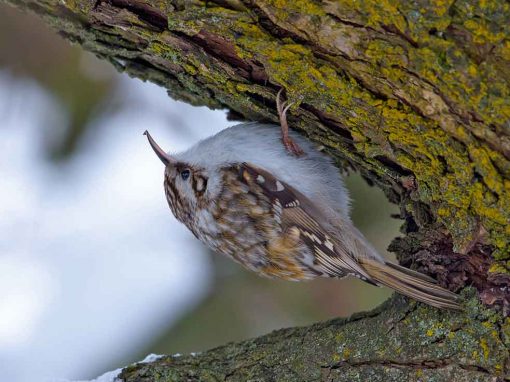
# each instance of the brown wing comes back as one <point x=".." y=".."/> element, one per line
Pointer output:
<point x="296" y="210"/>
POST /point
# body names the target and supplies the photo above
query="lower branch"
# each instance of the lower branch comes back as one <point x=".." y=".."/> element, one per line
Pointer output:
<point x="399" y="341"/>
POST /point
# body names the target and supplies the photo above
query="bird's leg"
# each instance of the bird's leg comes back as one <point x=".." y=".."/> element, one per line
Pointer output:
<point x="288" y="142"/>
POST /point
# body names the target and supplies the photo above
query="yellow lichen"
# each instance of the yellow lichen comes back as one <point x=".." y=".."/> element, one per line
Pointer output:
<point x="485" y="348"/>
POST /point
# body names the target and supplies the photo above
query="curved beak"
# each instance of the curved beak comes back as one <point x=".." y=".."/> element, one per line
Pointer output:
<point x="165" y="158"/>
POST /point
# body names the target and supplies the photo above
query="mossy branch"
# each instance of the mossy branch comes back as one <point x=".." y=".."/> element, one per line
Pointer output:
<point x="415" y="96"/>
<point x="396" y="342"/>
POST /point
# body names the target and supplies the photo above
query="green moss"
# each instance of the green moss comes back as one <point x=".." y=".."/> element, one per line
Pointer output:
<point x="500" y="268"/>
<point x="408" y="336"/>
<point x="415" y="142"/>
<point x="285" y="8"/>
<point x="485" y="348"/>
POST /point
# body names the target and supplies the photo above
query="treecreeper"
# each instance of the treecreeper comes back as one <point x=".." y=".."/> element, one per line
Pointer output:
<point x="280" y="210"/>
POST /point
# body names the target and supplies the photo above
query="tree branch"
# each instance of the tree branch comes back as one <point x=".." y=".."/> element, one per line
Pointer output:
<point x="395" y="342"/>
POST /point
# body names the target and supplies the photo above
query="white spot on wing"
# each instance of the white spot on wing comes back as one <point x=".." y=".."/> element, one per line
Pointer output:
<point x="312" y="237"/>
<point x="279" y="186"/>
<point x="329" y="244"/>
<point x="261" y="179"/>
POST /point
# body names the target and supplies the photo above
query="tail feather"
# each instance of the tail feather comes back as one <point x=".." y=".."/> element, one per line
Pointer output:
<point x="410" y="272"/>
<point x="411" y="284"/>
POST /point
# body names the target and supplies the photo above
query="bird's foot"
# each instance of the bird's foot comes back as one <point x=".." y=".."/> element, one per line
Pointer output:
<point x="288" y="142"/>
<point x="292" y="146"/>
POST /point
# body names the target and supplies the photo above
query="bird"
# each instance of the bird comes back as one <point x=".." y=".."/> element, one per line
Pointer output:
<point x="282" y="211"/>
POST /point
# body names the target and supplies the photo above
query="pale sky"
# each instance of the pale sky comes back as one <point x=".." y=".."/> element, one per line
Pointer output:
<point x="92" y="263"/>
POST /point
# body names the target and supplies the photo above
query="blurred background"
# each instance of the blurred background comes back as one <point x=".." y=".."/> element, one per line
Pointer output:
<point x="95" y="273"/>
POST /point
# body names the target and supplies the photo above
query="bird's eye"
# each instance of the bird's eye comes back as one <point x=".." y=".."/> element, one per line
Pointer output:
<point x="185" y="174"/>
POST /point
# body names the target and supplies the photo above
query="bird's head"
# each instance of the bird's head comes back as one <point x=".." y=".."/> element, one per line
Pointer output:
<point x="185" y="185"/>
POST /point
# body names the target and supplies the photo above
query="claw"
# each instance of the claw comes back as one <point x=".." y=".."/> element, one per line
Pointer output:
<point x="292" y="146"/>
<point x="282" y="108"/>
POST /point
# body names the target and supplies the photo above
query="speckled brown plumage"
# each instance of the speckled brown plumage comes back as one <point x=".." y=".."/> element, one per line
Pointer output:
<point x="242" y="223"/>
<point x="275" y="228"/>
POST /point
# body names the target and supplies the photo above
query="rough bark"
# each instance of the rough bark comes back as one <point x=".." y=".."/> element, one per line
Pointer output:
<point x="396" y="342"/>
<point x="414" y="95"/>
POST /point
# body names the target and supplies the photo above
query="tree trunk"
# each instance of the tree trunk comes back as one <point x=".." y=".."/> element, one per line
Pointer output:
<point x="414" y="96"/>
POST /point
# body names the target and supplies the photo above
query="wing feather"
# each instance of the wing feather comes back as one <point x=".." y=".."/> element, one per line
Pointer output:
<point x="296" y="210"/>
<point x="343" y="252"/>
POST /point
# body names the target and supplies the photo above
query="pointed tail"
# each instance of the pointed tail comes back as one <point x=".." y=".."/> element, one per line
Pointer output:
<point x="411" y="283"/>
